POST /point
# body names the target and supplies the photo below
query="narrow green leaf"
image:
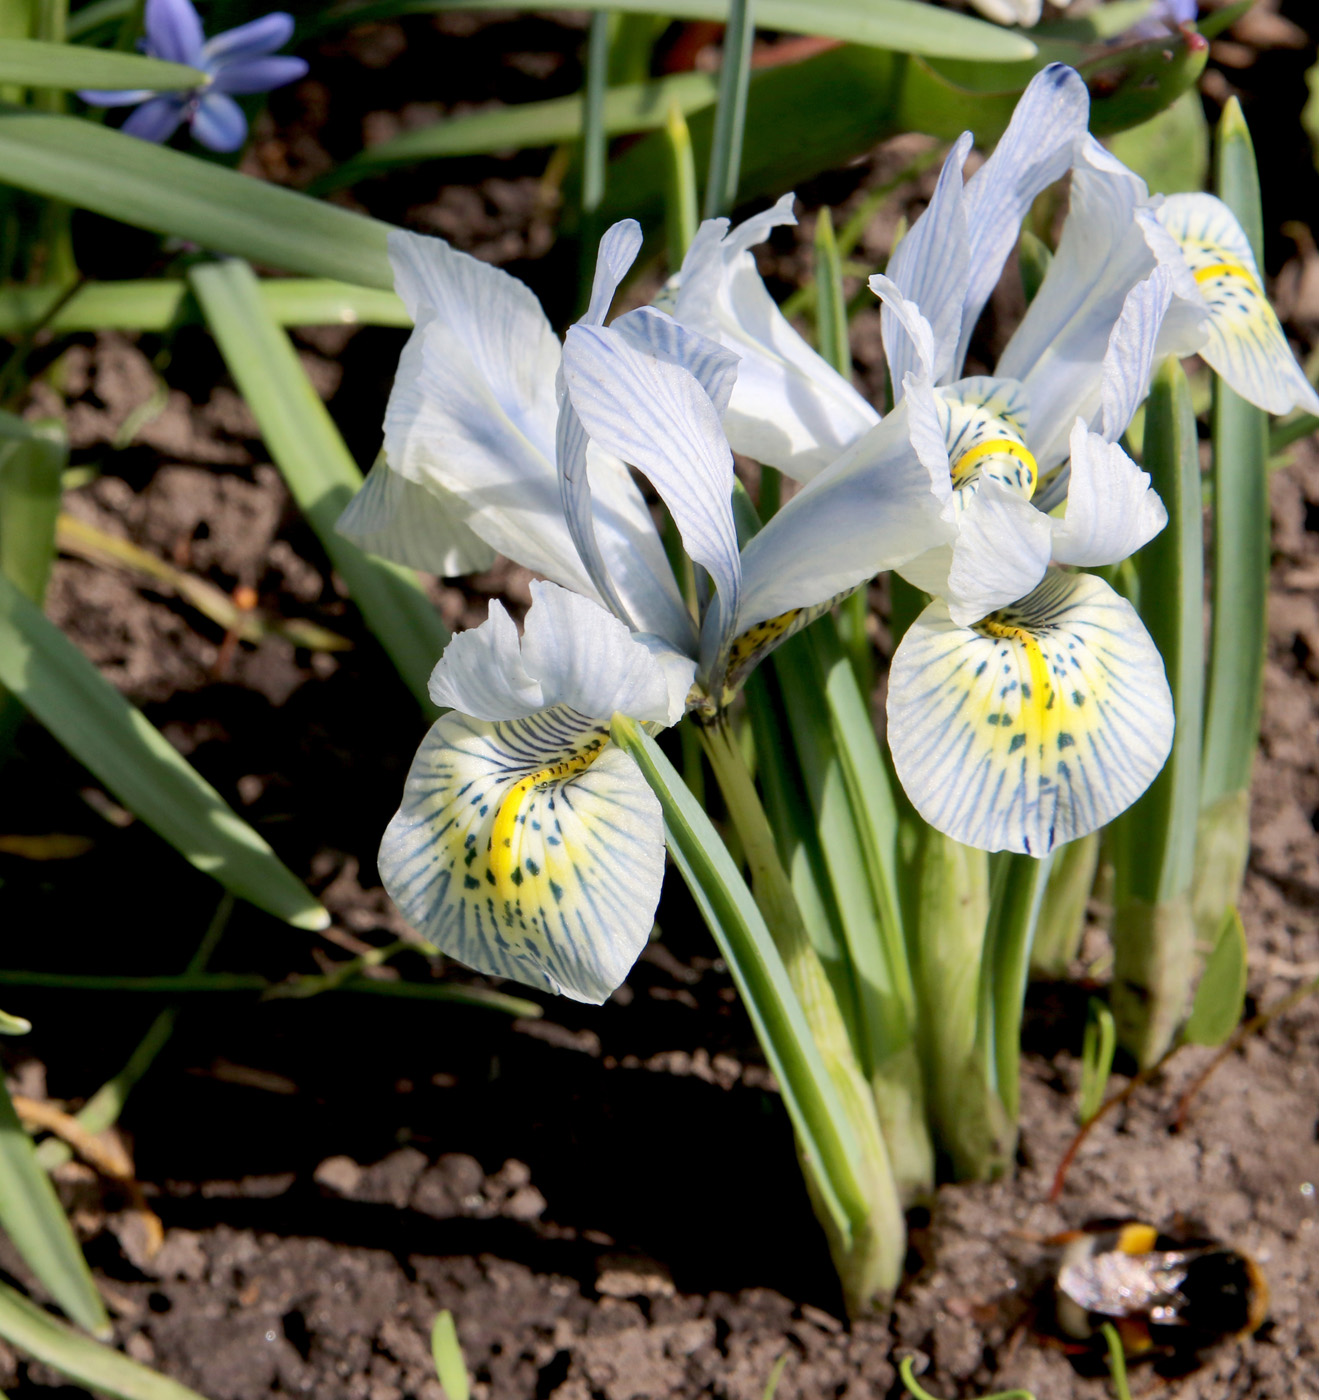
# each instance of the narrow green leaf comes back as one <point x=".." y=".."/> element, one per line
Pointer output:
<point x="448" y="1355"/>
<point x="14" y="1025"/>
<point x="35" y="63"/>
<point x="1239" y="631"/>
<point x="1212" y="25"/>
<point x="1117" y="1361"/>
<point x="1221" y="995"/>
<point x="34" y="1220"/>
<point x="89" y="1363"/>
<point x="745" y="942"/>
<point x="98" y="14"/>
<point x="30" y="471"/>
<point x="151" y="187"/>
<point x="901" y="25"/>
<point x="681" y="203"/>
<point x="1097" y="1053"/>
<point x="725" y="161"/>
<point x="1171" y="150"/>
<point x="320" y="472"/>
<point x="594" y="138"/>
<point x="1061" y="923"/>
<point x="158" y="305"/>
<point x="775" y="1375"/>
<point x="67" y="694"/>
<point x="830" y="301"/>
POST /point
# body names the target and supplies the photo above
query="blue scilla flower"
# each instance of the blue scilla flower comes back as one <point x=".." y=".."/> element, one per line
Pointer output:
<point x="241" y="60"/>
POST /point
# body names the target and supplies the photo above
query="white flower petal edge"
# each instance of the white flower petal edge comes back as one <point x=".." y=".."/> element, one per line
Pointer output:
<point x="413" y="525"/>
<point x="1244" y="340"/>
<point x="1037" y="726"/>
<point x="1000" y="553"/>
<point x="527" y="845"/>
<point x="1112" y="510"/>
<point x="790" y="409"/>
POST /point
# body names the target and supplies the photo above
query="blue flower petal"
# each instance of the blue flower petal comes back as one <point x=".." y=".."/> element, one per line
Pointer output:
<point x="258" y="74"/>
<point x="219" y="123"/>
<point x="156" y="120"/>
<point x="115" y="97"/>
<point x="174" y="32"/>
<point x="260" y="36"/>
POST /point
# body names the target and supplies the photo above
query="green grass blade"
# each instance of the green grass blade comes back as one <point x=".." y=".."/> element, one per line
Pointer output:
<point x="745" y="942"/>
<point x="317" y="466"/>
<point x="1012" y="931"/>
<point x="34" y="1220"/>
<point x="594" y="136"/>
<point x="830" y="301"/>
<point x="730" y="113"/>
<point x="97" y="15"/>
<point x="158" y="305"/>
<point x="67" y="694"/>
<point x="99" y="1368"/>
<point x="1097" y="1053"/>
<point x="30" y="468"/>
<point x="448" y="1356"/>
<point x="901" y="25"/>
<point x="148" y="186"/>
<point x="681" y="202"/>
<point x="630" y="108"/>
<point x="1221" y="995"/>
<point x="1239" y="631"/>
<point x="35" y="63"/>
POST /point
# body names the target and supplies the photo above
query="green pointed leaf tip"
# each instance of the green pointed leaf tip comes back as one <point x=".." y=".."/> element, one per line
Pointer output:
<point x="1221" y="995"/>
<point x="36" y="63"/>
<point x="14" y="1025"/>
<point x="448" y="1357"/>
<point x="148" y="186"/>
<point x="67" y="694"/>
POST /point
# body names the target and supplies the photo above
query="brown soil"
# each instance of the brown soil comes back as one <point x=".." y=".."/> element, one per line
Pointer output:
<point x="607" y="1199"/>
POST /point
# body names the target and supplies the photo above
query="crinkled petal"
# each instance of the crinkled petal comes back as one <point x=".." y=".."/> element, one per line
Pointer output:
<point x="590" y="661"/>
<point x="252" y="40"/>
<point x="929" y="268"/>
<point x="530" y="848"/>
<point x="1038" y="726"/>
<point x="873" y="509"/>
<point x="218" y="122"/>
<point x="174" y="31"/>
<point x="654" y="415"/>
<point x="156" y="119"/>
<point x="1035" y="150"/>
<point x="1129" y="359"/>
<point x="789" y="408"/>
<point x="1000" y="553"/>
<point x="259" y="74"/>
<point x="618" y="251"/>
<point x="1059" y="348"/>
<point x="1244" y="340"/>
<point x="482" y="672"/>
<point x="418" y="526"/>
<point x="1111" y="507"/>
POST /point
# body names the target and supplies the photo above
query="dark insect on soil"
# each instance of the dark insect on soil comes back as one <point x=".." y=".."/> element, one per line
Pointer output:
<point x="1171" y="1299"/>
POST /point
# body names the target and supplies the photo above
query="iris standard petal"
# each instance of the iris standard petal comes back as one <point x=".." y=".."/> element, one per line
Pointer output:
<point x="528" y="848"/>
<point x="915" y="346"/>
<point x="419" y="526"/>
<point x="1037" y="726"/>
<point x="1001" y="552"/>
<point x="1129" y="359"/>
<point x="1035" y="150"/>
<point x="1111" y="507"/>
<point x="174" y="31"/>
<point x="654" y="415"/>
<point x="251" y="40"/>
<point x="929" y="267"/>
<point x="789" y="408"/>
<point x="156" y="119"/>
<point x="1244" y="340"/>
<point x="258" y="74"/>
<point x="218" y="122"/>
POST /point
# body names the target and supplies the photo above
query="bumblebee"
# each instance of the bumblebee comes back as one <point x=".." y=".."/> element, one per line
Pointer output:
<point x="1164" y="1295"/>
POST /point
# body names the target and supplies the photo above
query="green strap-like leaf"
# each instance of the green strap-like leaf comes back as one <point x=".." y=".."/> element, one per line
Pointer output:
<point x="67" y="694"/>
<point x="448" y="1357"/>
<point x="317" y="466"/>
<point x="904" y="26"/>
<point x="35" y="63"/>
<point x="148" y="186"/>
<point x="731" y="109"/>
<point x="157" y="305"/>
<point x="1221" y="995"/>
<point x="33" y="1218"/>
<point x="99" y="1368"/>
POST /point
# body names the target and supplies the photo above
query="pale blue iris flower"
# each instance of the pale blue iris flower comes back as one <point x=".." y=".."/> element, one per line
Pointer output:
<point x="237" y="61"/>
<point x="1027" y="705"/>
<point x="526" y="845"/>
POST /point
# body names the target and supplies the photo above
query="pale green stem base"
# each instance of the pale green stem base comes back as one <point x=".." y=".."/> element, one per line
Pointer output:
<point x="1153" y="964"/>
<point x="870" y="1264"/>
<point x="1222" y="848"/>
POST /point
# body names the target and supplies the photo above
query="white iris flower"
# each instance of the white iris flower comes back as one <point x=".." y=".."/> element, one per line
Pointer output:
<point x="1027" y="706"/>
<point x="526" y="845"/>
